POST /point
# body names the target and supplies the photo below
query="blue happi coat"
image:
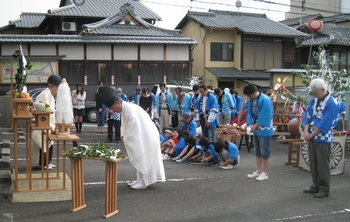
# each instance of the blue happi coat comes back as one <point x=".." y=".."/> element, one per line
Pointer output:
<point x="168" y="97"/>
<point x="264" y="116"/>
<point x="324" y="117"/>
<point x="185" y="107"/>
<point x="239" y="101"/>
<point x="211" y="105"/>
<point x="226" y="103"/>
<point x="192" y="126"/>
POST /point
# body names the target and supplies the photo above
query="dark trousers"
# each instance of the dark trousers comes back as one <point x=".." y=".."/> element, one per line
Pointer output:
<point x="319" y="155"/>
<point x="50" y="155"/>
<point x="116" y="124"/>
<point x="205" y="132"/>
<point x="175" y="121"/>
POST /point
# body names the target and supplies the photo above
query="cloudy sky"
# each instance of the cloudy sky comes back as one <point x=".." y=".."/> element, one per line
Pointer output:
<point x="171" y="11"/>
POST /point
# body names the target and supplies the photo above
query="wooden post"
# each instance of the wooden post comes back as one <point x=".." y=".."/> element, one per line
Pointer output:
<point x="77" y="172"/>
<point x="111" y="189"/>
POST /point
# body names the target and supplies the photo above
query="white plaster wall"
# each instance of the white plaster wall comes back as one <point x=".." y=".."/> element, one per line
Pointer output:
<point x="9" y="49"/>
<point x="37" y="49"/>
<point x="125" y="52"/>
<point x="177" y="53"/>
<point x="151" y="52"/>
<point x="98" y="52"/>
<point x="72" y="51"/>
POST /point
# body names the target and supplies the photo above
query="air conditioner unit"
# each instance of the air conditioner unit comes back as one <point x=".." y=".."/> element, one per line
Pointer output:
<point x="68" y="26"/>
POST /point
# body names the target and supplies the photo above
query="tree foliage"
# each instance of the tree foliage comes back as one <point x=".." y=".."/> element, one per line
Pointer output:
<point x="23" y="68"/>
<point x="326" y="69"/>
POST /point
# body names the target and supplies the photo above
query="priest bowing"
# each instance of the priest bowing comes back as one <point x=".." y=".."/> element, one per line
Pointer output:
<point x="140" y="137"/>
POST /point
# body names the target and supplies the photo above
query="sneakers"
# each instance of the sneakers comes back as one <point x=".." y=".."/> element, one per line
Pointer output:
<point x="263" y="176"/>
<point x="182" y="160"/>
<point x="166" y="157"/>
<point x="228" y="167"/>
<point x="52" y="165"/>
<point x="176" y="158"/>
<point x="254" y="175"/>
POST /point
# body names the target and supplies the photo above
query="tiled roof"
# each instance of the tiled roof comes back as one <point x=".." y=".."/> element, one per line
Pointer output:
<point x="115" y="25"/>
<point x="132" y="30"/>
<point x="296" y="21"/>
<point x="329" y="19"/>
<point x="247" y="23"/>
<point x="103" y="9"/>
<point x="330" y="35"/>
<point x="28" y="20"/>
<point x="97" y="39"/>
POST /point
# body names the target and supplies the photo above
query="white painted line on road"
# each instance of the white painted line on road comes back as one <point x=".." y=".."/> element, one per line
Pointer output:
<point x="314" y="215"/>
<point x="168" y="180"/>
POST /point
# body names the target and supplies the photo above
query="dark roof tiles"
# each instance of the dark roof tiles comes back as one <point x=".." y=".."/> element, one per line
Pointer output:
<point x="329" y="35"/>
<point x="304" y="19"/>
<point x="103" y="9"/>
<point x="248" y="23"/>
<point x="136" y="26"/>
<point x="28" y="20"/>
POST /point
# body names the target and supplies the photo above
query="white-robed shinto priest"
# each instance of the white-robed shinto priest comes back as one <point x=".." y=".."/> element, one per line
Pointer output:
<point x="140" y="137"/>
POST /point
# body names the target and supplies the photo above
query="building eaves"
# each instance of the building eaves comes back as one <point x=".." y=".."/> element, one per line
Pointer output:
<point x="16" y="38"/>
<point x="130" y="30"/>
<point x="246" y="23"/>
<point x="103" y="9"/>
<point x="234" y="73"/>
<point x="277" y="70"/>
<point x="328" y="35"/>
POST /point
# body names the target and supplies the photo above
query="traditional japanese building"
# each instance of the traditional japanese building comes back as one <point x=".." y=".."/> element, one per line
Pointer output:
<point x="114" y="41"/>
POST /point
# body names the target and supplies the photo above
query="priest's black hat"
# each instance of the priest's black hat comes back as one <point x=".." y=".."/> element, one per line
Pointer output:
<point x="107" y="96"/>
<point x="54" y="80"/>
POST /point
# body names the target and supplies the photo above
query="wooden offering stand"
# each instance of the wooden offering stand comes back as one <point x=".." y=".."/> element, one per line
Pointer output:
<point x="21" y="106"/>
<point x="63" y="130"/>
<point x="111" y="174"/>
<point x="42" y="118"/>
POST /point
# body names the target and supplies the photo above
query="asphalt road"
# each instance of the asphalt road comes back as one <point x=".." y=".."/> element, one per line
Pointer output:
<point x="195" y="193"/>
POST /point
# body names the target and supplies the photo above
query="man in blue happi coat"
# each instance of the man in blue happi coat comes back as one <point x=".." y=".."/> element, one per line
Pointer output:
<point x="206" y="110"/>
<point x="319" y="120"/>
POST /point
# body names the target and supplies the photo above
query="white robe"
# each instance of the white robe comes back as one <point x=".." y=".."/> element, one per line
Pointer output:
<point x="47" y="98"/>
<point x="141" y="141"/>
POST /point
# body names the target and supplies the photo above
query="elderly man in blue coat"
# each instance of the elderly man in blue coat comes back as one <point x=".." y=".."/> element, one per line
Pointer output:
<point x="319" y="120"/>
